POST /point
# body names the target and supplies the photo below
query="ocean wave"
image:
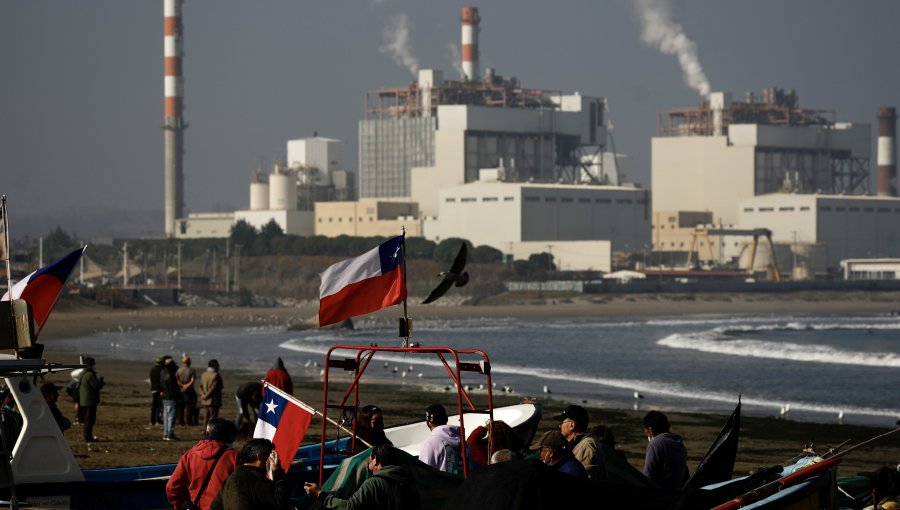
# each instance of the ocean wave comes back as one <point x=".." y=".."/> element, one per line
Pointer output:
<point x="714" y="341"/>
<point x="656" y="389"/>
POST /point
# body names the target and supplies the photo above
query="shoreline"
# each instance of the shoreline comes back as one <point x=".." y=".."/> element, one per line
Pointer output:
<point x="128" y="439"/>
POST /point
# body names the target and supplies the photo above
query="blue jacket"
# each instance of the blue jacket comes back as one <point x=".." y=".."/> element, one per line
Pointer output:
<point x="666" y="461"/>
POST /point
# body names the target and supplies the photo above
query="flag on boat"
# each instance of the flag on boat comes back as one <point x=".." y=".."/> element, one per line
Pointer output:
<point x="363" y="284"/>
<point x="718" y="463"/>
<point x="283" y="420"/>
<point x="42" y="288"/>
<point x="4" y="232"/>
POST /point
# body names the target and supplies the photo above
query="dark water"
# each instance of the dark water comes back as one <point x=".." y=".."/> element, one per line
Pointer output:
<point x="816" y="366"/>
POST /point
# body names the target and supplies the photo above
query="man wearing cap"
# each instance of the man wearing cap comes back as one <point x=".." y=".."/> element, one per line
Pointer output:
<point x="186" y="376"/>
<point x="554" y="451"/>
<point x="573" y="423"/>
<point x="441" y="449"/>
<point x="89" y="386"/>
<point x="50" y="392"/>
<point x="666" y="460"/>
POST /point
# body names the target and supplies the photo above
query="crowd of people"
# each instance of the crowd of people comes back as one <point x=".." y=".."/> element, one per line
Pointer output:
<point x="214" y="475"/>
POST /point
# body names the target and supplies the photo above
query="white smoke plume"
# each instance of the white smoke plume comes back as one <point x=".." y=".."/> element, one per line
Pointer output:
<point x="455" y="58"/>
<point x="395" y="42"/>
<point x="659" y="31"/>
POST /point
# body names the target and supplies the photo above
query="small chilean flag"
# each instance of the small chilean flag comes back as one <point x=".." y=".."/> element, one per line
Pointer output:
<point x="283" y="420"/>
<point x="363" y="284"/>
<point x="42" y="288"/>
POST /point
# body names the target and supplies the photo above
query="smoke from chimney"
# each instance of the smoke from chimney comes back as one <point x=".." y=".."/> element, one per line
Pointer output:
<point x="660" y="32"/>
<point x="455" y="58"/>
<point x="395" y="42"/>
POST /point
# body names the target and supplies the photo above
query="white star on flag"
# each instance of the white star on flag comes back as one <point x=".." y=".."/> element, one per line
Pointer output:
<point x="270" y="407"/>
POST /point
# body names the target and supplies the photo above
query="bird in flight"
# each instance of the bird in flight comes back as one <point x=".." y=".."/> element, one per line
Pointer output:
<point x="455" y="276"/>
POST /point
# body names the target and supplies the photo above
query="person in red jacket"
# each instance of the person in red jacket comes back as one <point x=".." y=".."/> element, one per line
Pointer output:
<point x="280" y="378"/>
<point x="192" y="469"/>
<point x="503" y="437"/>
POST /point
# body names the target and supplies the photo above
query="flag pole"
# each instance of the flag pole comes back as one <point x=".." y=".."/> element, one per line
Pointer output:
<point x="405" y="326"/>
<point x="5" y="252"/>
<point x="313" y="409"/>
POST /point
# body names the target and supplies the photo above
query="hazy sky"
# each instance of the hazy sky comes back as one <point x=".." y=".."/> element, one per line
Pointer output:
<point x="82" y="82"/>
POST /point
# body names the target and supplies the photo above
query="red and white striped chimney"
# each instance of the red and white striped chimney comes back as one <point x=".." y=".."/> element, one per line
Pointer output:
<point x="470" y="20"/>
<point x="173" y="123"/>
<point x="887" y="151"/>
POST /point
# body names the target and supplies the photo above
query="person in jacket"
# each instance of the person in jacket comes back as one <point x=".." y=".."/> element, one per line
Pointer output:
<point x="554" y="451"/>
<point x="442" y="449"/>
<point x="248" y="397"/>
<point x="194" y="466"/>
<point x="573" y="423"/>
<point x="501" y="437"/>
<point x="187" y="376"/>
<point x="156" y="402"/>
<point x="666" y="460"/>
<point x="278" y="376"/>
<point x="50" y="392"/>
<point x="370" y="428"/>
<point x="89" y="386"/>
<point x="170" y="394"/>
<point x="248" y="488"/>
<point x="211" y="385"/>
<point x="388" y="487"/>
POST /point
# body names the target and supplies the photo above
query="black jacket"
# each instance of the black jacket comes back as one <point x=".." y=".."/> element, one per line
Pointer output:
<point x="249" y="489"/>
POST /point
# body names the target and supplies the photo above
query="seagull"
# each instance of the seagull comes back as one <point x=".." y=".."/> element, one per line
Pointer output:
<point x="841" y="417"/>
<point x="420" y="374"/>
<point x="307" y="363"/>
<point x="455" y="276"/>
<point x="638" y="395"/>
<point x="546" y="389"/>
<point x="785" y="409"/>
<point x="385" y="364"/>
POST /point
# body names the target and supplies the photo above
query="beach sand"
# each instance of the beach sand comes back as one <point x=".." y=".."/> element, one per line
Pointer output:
<point x="128" y="439"/>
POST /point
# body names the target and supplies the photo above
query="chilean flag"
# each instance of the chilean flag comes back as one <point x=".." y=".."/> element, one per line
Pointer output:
<point x="363" y="284"/>
<point x="283" y="420"/>
<point x="42" y="288"/>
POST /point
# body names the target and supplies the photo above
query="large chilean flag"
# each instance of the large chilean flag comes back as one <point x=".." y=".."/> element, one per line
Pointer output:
<point x="283" y="420"/>
<point x="363" y="284"/>
<point x="41" y="288"/>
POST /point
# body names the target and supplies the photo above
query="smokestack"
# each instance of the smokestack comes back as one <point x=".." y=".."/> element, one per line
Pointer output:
<point x="887" y="152"/>
<point x="470" y="20"/>
<point x="173" y="123"/>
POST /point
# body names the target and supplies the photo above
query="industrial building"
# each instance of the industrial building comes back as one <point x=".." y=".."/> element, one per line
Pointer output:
<point x="367" y="218"/>
<point x="713" y="156"/>
<point x="496" y="163"/>
<point x="288" y="195"/>
<point x="579" y="225"/>
<point x="827" y="228"/>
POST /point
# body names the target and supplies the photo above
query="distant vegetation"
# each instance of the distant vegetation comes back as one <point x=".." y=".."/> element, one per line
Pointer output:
<point x="274" y="263"/>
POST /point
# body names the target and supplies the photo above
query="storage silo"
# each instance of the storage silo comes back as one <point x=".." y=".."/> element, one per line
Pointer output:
<point x="282" y="190"/>
<point x="259" y="192"/>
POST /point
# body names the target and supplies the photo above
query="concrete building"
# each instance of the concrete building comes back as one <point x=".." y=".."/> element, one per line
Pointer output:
<point x="292" y="222"/>
<point x="871" y="269"/>
<point x="839" y="227"/>
<point x="555" y="218"/>
<point x="367" y="218"/>
<point x="711" y="157"/>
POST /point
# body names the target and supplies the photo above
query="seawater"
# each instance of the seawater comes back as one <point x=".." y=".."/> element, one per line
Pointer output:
<point x="815" y="366"/>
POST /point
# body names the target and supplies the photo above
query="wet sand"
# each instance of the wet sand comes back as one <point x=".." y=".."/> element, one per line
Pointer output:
<point x="128" y="439"/>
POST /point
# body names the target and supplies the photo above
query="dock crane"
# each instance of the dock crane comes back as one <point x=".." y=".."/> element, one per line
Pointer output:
<point x="755" y="232"/>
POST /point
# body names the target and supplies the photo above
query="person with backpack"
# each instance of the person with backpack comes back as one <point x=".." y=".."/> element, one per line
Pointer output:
<point x="389" y="487"/>
<point x="203" y="469"/>
<point x="442" y="449"/>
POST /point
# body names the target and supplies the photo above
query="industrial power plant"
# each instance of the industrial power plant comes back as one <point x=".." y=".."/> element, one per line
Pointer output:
<point x="485" y="158"/>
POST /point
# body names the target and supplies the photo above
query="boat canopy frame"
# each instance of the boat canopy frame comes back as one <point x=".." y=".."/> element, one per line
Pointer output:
<point x="365" y="355"/>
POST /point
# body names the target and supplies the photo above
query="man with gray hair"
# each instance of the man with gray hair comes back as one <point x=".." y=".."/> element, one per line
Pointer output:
<point x="211" y="458"/>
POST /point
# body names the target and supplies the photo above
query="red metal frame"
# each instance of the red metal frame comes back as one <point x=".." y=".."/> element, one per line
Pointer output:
<point x="365" y="354"/>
